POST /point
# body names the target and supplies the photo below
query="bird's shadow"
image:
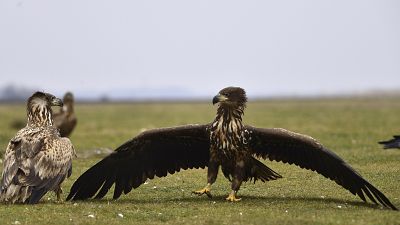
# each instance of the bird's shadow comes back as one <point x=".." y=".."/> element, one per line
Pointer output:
<point x="255" y="200"/>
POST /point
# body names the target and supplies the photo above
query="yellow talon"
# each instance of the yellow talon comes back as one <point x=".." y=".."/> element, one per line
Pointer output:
<point x="232" y="197"/>
<point x="206" y="190"/>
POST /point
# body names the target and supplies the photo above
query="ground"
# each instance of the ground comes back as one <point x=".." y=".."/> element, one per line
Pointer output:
<point x="349" y="127"/>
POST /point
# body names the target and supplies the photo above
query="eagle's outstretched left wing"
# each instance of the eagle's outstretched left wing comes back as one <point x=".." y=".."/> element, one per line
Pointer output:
<point x="152" y="153"/>
<point x="293" y="148"/>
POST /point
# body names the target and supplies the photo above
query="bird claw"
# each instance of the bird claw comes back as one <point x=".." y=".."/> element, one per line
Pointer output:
<point x="232" y="198"/>
<point x="205" y="190"/>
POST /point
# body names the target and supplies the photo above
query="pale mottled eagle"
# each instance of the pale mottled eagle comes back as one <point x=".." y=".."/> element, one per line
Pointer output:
<point x="225" y="143"/>
<point x="65" y="120"/>
<point x="37" y="159"/>
<point x="392" y="143"/>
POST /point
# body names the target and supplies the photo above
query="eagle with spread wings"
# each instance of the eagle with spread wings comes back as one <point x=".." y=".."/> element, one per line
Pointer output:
<point x="37" y="159"/>
<point x="227" y="143"/>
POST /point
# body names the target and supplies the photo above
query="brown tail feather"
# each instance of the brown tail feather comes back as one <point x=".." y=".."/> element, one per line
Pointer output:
<point x="262" y="172"/>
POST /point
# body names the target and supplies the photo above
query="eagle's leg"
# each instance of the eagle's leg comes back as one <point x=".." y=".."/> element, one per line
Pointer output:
<point x="58" y="192"/>
<point x="212" y="173"/>
<point x="237" y="180"/>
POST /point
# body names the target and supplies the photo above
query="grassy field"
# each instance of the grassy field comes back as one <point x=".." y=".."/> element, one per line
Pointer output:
<point x="350" y="127"/>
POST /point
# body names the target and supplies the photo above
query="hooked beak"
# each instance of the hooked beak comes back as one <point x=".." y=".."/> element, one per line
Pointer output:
<point x="219" y="98"/>
<point x="56" y="102"/>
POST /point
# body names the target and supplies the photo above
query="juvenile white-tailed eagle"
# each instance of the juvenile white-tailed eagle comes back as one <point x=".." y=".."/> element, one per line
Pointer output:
<point x="37" y="159"/>
<point x="392" y="143"/>
<point x="65" y="120"/>
<point x="225" y="143"/>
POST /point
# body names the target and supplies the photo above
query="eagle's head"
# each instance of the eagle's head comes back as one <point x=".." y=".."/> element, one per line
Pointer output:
<point x="68" y="103"/>
<point x="231" y="96"/>
<point x="39" y="108"/>
<point x="43" y="100"/>
<point x="68" y="98"/>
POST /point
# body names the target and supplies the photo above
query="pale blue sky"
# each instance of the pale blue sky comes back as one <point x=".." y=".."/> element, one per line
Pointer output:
<point x="198" y="47"/>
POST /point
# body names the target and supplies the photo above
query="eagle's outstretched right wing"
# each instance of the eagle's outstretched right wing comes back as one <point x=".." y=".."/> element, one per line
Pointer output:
<point x="288" y="147"/>
<point x="155" y="152"/>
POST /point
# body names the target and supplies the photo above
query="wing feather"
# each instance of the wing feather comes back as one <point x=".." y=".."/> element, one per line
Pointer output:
<point x="293" y="148"/>
<point x="38" y="159"/>
<point x="152" y="153"/>
<point x="55" y="158"/>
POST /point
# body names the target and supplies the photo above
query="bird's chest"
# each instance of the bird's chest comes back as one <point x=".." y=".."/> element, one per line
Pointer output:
<point x="228" y="139"/>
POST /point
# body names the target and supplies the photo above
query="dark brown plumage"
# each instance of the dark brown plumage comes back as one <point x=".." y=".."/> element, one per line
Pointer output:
<point x="65" y="120"/>
<point x="225" y="143"/>
<point x="37" y="159"/>
<point x="392" y="143"/>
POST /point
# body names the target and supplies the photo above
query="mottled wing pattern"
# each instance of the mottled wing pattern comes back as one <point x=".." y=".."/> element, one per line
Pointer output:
<point x="18" y="150"/>
<point x="152" y="153"/>
<point x="36" y="161"/>
<point x="55" y="159"/>
<point x="289" y="147"/>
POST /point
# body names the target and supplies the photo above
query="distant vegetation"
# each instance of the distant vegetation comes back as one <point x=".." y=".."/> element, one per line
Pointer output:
<point x="16" y="93"/>
<point x="13" y="93"/>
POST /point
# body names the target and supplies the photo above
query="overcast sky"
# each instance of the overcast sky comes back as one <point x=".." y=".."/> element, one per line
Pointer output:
<point x="198" y="47"/>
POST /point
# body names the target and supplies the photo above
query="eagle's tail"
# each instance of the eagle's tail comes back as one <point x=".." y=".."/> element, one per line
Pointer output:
<point x="259" y="171"/>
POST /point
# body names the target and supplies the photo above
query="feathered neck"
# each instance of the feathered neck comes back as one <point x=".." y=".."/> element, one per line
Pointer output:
<point x="39" y="113"/>
<point x="227" y="129"/>
<point x="230" y="113"/>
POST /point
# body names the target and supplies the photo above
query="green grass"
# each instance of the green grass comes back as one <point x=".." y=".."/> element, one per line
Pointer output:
<point x="350" y="127"/>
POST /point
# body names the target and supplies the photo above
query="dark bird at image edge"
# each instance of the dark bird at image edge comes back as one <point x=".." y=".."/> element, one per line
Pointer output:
<point x="392" y="143"/>
<point x="225" y="143"/>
